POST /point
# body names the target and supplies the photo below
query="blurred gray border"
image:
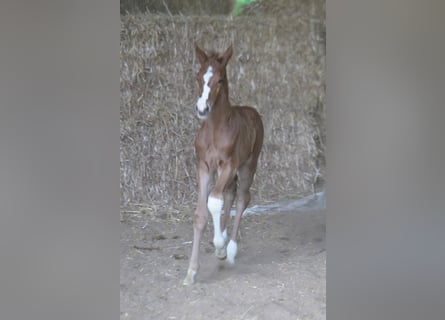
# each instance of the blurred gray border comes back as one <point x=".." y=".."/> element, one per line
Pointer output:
<point x="59" y="133"/>
<point x="385" y="174"/>
<point x="59" y="160"/>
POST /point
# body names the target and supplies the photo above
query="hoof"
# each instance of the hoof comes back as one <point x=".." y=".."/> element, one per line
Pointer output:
<point x="221" y="254"/>
<point x="190" y="278"/>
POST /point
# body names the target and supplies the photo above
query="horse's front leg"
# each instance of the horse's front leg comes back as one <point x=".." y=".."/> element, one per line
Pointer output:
<point x="215" y="204"/>
<point x="199" y="222"/>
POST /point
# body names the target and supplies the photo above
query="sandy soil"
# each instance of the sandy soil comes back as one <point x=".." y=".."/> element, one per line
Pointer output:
<point x="280" y="271"/>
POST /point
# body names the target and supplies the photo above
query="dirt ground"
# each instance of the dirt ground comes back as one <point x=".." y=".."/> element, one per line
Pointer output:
<point x="280" y="270"/>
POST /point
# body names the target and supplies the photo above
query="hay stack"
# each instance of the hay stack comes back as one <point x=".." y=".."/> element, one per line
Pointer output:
<point x="174" y="7"/>
<point x="274" y="68"/>
<point x="284" y="8"/>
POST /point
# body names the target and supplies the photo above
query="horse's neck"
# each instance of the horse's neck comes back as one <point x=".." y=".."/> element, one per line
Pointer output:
<point x="222" y="108"/>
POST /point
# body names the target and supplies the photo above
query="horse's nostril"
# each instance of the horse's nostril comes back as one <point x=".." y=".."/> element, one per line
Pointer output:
<point x="203" y="112"/>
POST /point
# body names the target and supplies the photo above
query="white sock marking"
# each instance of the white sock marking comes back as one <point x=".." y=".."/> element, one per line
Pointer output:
<point x="232" y="249"/>
<point x="215" y="206"/>
<point x="202" y="101"/>
<point x="224" y="235"/>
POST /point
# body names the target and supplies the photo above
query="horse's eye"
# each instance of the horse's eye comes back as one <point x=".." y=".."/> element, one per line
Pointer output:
<point x="220" y="81"/>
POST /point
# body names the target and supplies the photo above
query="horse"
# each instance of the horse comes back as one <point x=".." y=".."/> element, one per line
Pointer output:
<point x="227" y="145"/>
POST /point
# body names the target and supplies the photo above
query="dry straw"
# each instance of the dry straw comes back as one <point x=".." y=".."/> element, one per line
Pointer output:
<point x="184" y="7"/>
<point x="277" y="67"/>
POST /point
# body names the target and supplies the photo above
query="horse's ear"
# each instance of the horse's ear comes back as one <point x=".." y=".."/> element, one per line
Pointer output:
<point x="226" y="56"/>
<point x="202" y="57"/>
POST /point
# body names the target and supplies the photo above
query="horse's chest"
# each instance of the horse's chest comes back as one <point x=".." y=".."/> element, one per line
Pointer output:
<point x="213" y="156"/>
<point x="209" y="152"/>
<point x="215" y="148"/>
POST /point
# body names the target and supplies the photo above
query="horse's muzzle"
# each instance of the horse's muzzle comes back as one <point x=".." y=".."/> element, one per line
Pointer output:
<point x="203" y="113"/>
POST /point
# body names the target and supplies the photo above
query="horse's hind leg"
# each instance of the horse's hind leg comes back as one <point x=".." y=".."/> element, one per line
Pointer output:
<point x="229" y="196"/>
<point x="245" y="177"/>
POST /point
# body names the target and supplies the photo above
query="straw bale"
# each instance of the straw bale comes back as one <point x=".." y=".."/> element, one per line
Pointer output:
<point x="283" y="8"/>
<point x="174" y="7"/>
<point x="275" y="67"/>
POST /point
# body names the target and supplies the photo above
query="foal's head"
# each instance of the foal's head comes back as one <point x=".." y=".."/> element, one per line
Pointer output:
<point x="211" y="78"/>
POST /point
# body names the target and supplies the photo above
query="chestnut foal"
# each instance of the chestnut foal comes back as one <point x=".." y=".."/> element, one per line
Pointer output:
<point x="228" y="145"/>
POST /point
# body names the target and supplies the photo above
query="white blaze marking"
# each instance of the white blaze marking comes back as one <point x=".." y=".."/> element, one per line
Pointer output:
<point x="201" y="104"/>
<point x="215" y="206"/>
